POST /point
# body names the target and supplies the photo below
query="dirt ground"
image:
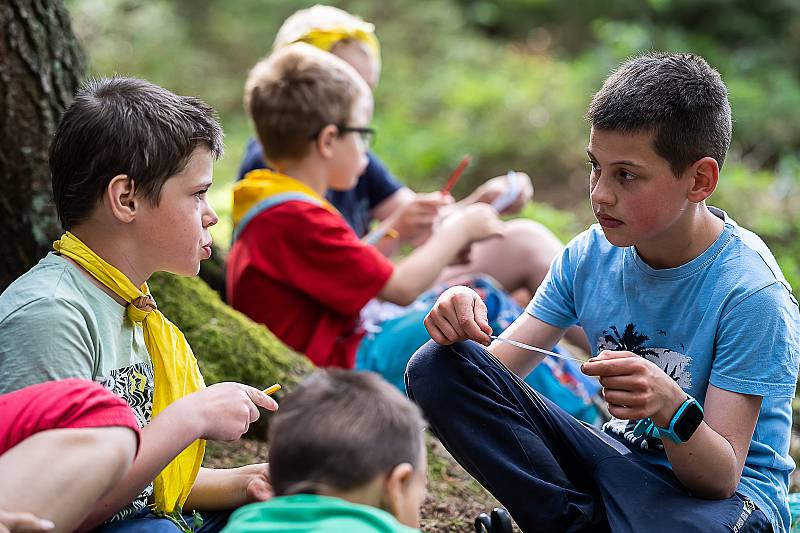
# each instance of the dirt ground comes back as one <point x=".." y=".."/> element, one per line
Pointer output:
<point x="454" y="498"/>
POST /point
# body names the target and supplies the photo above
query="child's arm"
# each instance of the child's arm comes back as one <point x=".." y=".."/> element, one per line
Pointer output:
<point x="406" y="217"/>
<point x="219" y="489"/>
<point x="459" y="314"/>
<point x="710" y="463"/>
<point x="15" y="522"/>
<point x="496" y="187"/>
<point x="220" y="412"/>
<point x="420" y="269"/>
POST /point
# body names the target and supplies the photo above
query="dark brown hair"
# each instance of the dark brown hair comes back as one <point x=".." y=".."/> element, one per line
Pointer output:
<point x="678" y="97"/>
<point x="294" y="93"/>
<point x="125" y="126"/>
<point x="341" y="429"/>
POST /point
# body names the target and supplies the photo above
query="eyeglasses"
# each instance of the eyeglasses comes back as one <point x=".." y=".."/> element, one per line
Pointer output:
<point x="367" y="134"/>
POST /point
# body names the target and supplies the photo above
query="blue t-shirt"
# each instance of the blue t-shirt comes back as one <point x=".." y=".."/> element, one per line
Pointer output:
<point x="374" y="186"/>
<point x="726" y="317"/>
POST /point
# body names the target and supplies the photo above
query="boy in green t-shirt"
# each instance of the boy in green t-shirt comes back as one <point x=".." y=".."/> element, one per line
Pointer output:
<point x="347" y="454"/>
<point x="131" y="163"/>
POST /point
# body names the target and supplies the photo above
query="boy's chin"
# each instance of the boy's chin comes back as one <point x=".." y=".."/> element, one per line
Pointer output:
<point x="184" y="271"/>
<point x="614" y="237"/>
<point x="344" y="186"/>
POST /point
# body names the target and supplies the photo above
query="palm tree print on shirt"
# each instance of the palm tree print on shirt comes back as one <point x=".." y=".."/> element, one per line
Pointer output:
<point x="674" y="364"/>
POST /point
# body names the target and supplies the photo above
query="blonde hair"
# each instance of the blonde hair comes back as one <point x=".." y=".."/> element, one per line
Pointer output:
<point x="325" y="27"/>
<point x="294" y="93"/>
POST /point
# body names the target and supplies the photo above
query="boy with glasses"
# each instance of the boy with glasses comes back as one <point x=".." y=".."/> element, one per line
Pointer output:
<point x="518" y="262"/>
<point x="295" y="264"/>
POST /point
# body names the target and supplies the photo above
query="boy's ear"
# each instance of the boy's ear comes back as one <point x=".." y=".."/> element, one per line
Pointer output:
<point x="121" y="198"/>
<point x="325" y="139"/>
<point x="705" y="175"/>
<point x="394" y="487"/>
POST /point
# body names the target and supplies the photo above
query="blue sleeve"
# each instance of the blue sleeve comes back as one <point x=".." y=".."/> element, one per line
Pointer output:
<point x="253" y="158"/>
<point x="554" y="301"/>
<point x="380" y="182"/>
<point x="758" y="344"/>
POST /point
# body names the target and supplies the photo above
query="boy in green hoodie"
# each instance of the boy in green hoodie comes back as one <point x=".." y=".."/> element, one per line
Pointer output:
<point x="347" y="454"/>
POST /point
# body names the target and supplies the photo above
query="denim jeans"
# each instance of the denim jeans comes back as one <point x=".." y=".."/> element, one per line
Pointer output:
<point x="551" y="471"/>
<point x="146" y="522"/>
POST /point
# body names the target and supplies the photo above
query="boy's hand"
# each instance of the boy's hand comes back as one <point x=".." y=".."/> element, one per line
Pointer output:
<point x="226" y="410"/>
<point x="14" y="522"/>
<point x="458" y="314"/>
<point x="634" y="387"/>
<point x="258" y="487"/>
<point x="475" y="222"/>
<point x="415" y="222"/>
<point x="492" y="189"/>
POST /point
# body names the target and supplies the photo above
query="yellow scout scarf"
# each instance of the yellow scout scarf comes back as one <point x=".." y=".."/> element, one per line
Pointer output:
<point x="175" y="370"/>
<point x="326" y="39"/>
<point x="264" y="188"/>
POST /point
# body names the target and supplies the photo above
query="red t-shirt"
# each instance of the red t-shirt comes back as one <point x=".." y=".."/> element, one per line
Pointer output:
<point x="68" y="403"/>
<point x="302" y="271"/>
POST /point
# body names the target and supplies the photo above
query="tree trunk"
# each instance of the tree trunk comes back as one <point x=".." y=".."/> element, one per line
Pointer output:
<point x="41" y="66"/>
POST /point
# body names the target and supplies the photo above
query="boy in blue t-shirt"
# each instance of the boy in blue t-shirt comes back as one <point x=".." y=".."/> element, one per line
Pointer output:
<point x="693" y="326"/>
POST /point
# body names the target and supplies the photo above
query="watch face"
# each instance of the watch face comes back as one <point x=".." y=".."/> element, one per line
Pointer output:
<point x="690" y="420"/>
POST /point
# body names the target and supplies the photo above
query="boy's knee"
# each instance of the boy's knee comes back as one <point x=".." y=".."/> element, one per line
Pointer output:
<point x="425" y="362"/>
<point x="532" y="238"/>
<point x="434" y="368"/>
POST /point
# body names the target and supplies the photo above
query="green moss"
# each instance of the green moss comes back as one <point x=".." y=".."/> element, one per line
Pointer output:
<point x="228" y="345"/>
<point x="212" y="271"/>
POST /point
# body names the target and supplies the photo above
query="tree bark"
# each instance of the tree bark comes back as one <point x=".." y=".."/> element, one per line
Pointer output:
<point x="41" y="67"/>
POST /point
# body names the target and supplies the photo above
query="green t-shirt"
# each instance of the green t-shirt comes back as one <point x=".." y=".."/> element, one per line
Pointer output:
<point x="56" y="324"/>
<point x="307" y="513"/>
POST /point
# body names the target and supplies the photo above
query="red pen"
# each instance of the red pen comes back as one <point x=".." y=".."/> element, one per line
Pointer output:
<point x="456" y="174"/>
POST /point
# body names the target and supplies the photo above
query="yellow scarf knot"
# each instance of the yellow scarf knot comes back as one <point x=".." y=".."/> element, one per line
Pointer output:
<point x="175" y="370"/>
<point x="141" y="307"/>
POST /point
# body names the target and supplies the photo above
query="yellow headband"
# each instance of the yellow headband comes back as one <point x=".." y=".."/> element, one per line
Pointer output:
<point x="327" y="39"/>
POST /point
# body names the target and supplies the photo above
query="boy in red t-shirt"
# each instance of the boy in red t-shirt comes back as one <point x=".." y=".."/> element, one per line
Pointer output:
<point x="69" y="437"/>
<point x="296" y="265"/>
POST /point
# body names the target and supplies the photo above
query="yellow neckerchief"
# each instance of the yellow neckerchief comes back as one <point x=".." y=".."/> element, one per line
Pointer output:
<point x="175" y="370"/>
<point x="259" y="188"/>
<point x="326" y="39"/>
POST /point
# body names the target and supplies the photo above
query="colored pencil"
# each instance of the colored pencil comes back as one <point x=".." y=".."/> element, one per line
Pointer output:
<point x="456" y="174"/>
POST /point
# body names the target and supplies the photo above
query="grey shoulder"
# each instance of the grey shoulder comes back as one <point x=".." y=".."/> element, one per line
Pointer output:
<point x="46" y="289"/>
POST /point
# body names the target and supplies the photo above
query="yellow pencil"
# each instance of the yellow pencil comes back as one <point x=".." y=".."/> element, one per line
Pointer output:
<point x="273" y="389"/>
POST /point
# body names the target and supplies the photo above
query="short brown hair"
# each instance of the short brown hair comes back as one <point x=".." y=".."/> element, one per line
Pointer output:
<point x="125" y="126"/>
<point x="678" y="97"/>
<point x="294" y="93"/>
<point x="341" y="429"/>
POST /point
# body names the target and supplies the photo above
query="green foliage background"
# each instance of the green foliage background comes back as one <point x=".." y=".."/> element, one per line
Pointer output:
<point x="507" y="81"/>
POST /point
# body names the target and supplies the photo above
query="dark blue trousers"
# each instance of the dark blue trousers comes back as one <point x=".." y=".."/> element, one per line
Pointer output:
<point x="552" y="472"/>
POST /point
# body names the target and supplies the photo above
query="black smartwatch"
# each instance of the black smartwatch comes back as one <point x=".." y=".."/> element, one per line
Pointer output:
<point x="684" y="422"/>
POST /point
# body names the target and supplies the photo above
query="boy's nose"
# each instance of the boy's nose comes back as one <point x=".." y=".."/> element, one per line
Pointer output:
<point x="601" y="193"/>
<point x="210" y="218"/>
